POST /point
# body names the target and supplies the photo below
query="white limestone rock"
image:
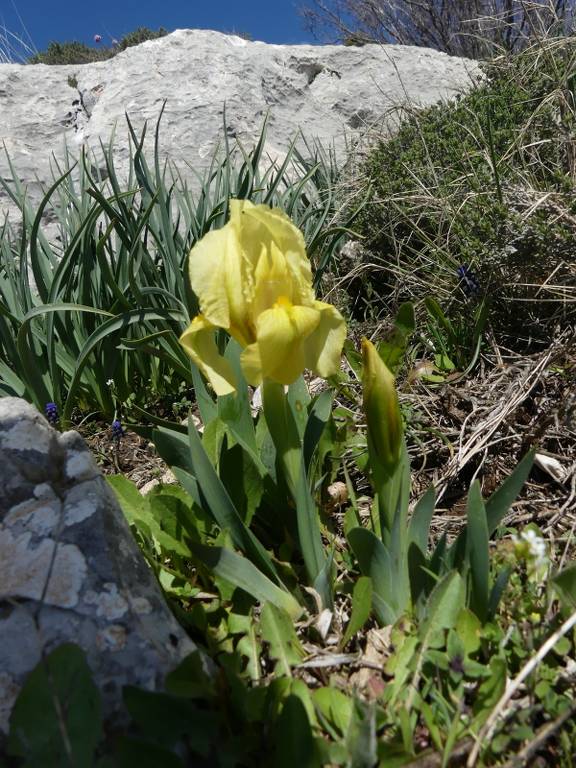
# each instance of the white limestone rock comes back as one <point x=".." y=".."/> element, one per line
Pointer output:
<point x="70" y="570"/>
<point x="330" y="92"/>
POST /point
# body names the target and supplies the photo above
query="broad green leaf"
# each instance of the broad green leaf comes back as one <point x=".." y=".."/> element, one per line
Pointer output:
<point x="490" y="691"/>
<point x="235" y="409"/>
<point x="374" y="561"/>
<point x="281" y="421"/>
<point x="323" y="583"/>
<point x="500" y="501"/>
<point x="222" y="508"/>
<point x="478" y="552"/>
<point x="241" y="479"/>
<point x="130" y="752"/>
<point x="384" y="612"/>
<point x="283" y="429"/>
<point x="277" y="629"/>
<point x="140" y="513"/>
<point x="361" y="736"/>
<point x="57" y="717"/>
<point x="298" y="399"/>
<point x="420" y="522"/>
<point x="309" y="533"/>
<point x="361" y="608"/>
<point x="191" y="678"/>
<point x="249" y="647"/>
<point x="498" y="588"/>
<point x="421" y="580"/>
<point x="165" y="718"/>
<point x="293" y="739"/>
<point x="318" y="418"/>
<point x="468" y="628"/>
<point x="335" y="707"/>
<point x="392" y="350"/>
<point x="240" y="572"/>
<point x="444" y="604"/>
<point x="565" y="584"/>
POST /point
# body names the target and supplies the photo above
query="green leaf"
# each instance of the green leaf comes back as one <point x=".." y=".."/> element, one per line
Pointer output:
<point x="444" y="604"/>
<point x="297" y="399"/>
<point x="240" y="572"/>
<point x="139" y="512"/>
<point x="500" y="501"/>
<point x="293" y="739"/>
<point x="361" y="736"/>
<point x="277" y="628"/>
<point x="249" y="647"/>
<point x="374" y="561"/>
<point x="235" y="409"/>
<point x="131" y="752"/>
<point x="241" y="479"/>
<point x="165" y="718"/>
<point x="419" y="527"/>
<point x="335" y="707"/>
<point x="490" y="691"/>
<point x="565" y="584"/>
<point x="497" y="590"/>
<point x="57" y="717"/>
<point x="468" y="628"/>
<point x="478" y="552"/>
<point x="309" y="534"/>
<point x="222" y="508"/>
<point x="361" y="608"/>
<point x="392" y="350"/>
<point x="191" y="680"/>
<point x="317" y="420"/>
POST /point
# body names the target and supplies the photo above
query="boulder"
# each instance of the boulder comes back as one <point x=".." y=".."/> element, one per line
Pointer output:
<point x="331" y="92"/>
<point x="70" y="570"/>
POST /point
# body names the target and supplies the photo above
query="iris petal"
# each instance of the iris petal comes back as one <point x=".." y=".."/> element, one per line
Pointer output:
<point x="263" y="225"/>
<point x="281" y="334"/>
<point x="272" y="280"/>
<point x="198" y="341"/>
<point x="324" y="346"/>
<point x="207" y="269"/>
<point x="217" y="276"/>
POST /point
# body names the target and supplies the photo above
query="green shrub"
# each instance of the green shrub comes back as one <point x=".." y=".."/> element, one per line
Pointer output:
<point x="78" y="53"/>
<point x="487" y="181"/>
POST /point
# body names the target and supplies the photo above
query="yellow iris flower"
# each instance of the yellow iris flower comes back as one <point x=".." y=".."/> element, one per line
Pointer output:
<point x="253" y="278"/>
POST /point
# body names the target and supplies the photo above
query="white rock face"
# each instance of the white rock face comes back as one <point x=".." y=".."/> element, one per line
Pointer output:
<point x="330" y="92"/>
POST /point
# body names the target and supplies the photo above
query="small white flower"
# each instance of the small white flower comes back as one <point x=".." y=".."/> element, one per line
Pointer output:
<point x="110" y="383"/>
<point x="532" y="548"/>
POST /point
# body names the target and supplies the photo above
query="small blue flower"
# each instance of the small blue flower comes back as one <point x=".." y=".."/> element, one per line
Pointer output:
<point x="468" y="280"/>
<point x="51" y="411"/>
<point x="117" y="431"/>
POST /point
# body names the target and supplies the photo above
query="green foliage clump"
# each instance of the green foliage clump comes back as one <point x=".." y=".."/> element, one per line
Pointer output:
<point x="74" y="52"/>
<point x="487" y="181"/>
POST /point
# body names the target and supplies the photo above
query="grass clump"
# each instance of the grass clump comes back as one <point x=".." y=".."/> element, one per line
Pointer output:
<point x="485" y="181"/>
<point x="74" y="52"/>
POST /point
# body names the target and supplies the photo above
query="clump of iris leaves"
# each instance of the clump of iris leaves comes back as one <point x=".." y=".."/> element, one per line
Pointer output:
<point x="269" y="579"/>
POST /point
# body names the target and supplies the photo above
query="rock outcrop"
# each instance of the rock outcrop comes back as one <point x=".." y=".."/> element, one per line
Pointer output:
<point x="330" y="92"/>
<point x="70" y="570"/>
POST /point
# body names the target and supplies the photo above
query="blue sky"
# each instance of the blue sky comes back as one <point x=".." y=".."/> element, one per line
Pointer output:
<point x="274" y="21"/>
